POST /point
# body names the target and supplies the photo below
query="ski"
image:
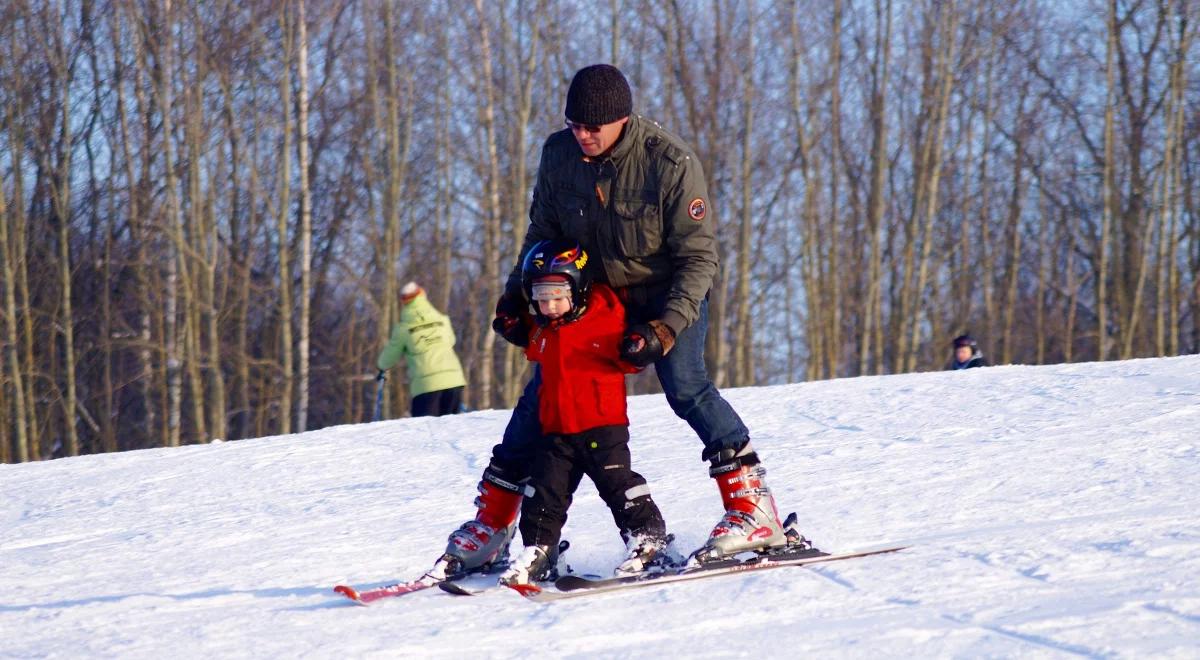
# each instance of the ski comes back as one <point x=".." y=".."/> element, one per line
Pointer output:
<point x="476" y="587"/>
<point x="470" y="587"/>
<point x="399" y="589"/>
<point x="573" y="586"/>
<point x="577" y="582"/>
<point x="462" y="590"/>
<point x="429" y="579"/>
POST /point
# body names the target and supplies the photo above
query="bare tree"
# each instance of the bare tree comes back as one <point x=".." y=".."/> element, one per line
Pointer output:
<point x="305" y="223"/>
<point x="1109" y="188"/>
<point x="286" y="365"/>
<point x="872" y="335"/>
<point x="490" y="202"/>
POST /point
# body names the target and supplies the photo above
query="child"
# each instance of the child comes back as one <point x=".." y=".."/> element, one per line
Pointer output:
<point x="581" y="406"/>
<point x="966" y="354"/>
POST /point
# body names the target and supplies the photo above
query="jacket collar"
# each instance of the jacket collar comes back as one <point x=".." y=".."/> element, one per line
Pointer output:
<point x="629" y="137"/>
<point x="417" y="308"/>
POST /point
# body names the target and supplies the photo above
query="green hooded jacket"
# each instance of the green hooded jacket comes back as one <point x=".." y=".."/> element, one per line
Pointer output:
<point x="425" y="337"/>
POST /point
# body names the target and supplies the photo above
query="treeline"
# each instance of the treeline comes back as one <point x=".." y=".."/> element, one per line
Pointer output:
<point x="207" y="208"/>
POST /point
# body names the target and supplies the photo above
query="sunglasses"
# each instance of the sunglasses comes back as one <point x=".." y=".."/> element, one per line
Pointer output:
<point x="583" y="128"/>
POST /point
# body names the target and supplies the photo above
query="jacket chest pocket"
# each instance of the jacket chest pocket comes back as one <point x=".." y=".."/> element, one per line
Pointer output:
<point x="573" y="209"/>
<point x="639" y="230"/>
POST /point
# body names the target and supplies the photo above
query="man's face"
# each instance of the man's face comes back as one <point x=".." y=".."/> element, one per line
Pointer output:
<point x="962" y="353"/>
<point x="597" y="139"/>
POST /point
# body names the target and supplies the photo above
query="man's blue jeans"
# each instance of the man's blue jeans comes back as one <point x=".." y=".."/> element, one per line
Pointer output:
<point x="685" y="382"/>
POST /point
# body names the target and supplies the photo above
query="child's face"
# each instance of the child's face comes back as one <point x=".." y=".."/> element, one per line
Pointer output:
<point x="962" y="353"/>
<point x="553" y="296"/>
<point x="555" y="307"/>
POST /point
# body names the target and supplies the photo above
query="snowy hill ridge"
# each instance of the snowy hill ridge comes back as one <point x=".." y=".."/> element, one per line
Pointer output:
<point x="1052" y="512"/>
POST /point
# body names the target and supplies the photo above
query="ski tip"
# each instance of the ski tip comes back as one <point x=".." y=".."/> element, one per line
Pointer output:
<point x="526" y="590"/>
<point x="349" y="592"/>
<point x="456" y="589"/>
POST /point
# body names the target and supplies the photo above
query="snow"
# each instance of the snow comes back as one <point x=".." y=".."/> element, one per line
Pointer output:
<point x="1051" y="512"/>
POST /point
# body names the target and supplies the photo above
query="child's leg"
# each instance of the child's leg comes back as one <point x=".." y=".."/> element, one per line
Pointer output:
<point x="625" y="492"/>
<point x="555" y="476"/>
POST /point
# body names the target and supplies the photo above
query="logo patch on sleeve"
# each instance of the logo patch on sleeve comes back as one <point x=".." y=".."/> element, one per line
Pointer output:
<point x="697" y="209"/>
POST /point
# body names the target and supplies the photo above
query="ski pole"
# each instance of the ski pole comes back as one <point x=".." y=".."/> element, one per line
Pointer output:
<point x="382" y="380"/>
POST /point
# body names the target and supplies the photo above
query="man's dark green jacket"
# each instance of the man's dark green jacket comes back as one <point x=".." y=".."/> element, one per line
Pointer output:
<point x="641" y="211"/>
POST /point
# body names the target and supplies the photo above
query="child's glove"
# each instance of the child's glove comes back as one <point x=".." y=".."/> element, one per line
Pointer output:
<point x="646" y="343"/>
<point x="510" y="322"/>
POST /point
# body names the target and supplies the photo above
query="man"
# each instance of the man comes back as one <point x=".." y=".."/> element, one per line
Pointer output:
<point x="425" y="338"/>
<point x="966" y="354"/>
<point x="635" y="198"/>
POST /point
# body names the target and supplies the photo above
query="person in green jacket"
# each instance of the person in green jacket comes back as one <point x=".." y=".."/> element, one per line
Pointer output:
<point x="425" y="337"/>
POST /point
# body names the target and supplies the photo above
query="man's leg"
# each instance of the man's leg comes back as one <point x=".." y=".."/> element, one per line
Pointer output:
<point x="524" y="431"/>
<point x="751" y="520"/>
<point x="691" y="393"/>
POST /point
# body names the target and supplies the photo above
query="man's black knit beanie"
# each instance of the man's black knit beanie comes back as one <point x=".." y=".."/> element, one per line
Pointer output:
<point x="599" y="94"/>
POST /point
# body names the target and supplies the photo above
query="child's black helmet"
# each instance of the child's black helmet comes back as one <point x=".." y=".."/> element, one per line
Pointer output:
<point x="557" y="257"/>
<point x="964" y="340"/>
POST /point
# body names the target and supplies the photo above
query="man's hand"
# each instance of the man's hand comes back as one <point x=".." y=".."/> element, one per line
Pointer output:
<point x="645" y="343"/>
<point x="511" y="322"/>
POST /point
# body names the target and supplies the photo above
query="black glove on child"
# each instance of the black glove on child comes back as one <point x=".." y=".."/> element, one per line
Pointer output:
<point x="511" y="321"/>
<point x="645" y="343"/>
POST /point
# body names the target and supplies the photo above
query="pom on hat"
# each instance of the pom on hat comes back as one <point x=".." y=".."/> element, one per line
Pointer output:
<point x="410" y="291"/>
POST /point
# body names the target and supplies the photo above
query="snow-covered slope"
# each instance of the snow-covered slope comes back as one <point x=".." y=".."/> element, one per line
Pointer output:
<point x="1052" y="512"/>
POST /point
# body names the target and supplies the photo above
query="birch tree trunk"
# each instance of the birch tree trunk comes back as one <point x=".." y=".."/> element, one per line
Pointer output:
<point x="490" y="204"/>
<point x="190" y="238"/>
<point x="833" y="301"/>
<point x="1043" y="278"/>
<point x="1166" y="327"/>
<point x="138" y="222"/>
<point x="11" y="341"/>
<point x="164" y="49"/>
<point x="287" y="370"/>
<point x="1013" y="265"/>
<point x="305" y="217"/>
<point x="872" y="312"/>
<point x="60" y="192"/>
<point x="398" y="132"/>
<point x="743" y="363"/>
<point x="1108" y="191"/>
<point x="945" y="58"/>
<point x="514" y="359"/>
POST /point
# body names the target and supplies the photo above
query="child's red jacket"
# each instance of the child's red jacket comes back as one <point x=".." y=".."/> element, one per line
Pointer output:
<point x="583" y="376"/>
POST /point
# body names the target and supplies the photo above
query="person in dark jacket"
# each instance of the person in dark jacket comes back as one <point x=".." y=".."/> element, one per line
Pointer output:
<point x="634" y="196"/>
<point x="575" y="333"/>
<point x="966" y="354"/>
